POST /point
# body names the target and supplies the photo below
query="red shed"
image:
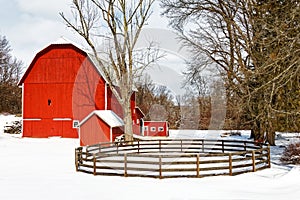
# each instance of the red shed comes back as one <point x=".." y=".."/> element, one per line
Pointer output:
<point x="62" y="88"/>
<point x="156" y="128"/>
<point x="100" y="126"/>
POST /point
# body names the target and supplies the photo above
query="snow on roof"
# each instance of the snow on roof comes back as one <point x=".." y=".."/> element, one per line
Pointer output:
<point x="63" y="40"/>
<point x="108" y="116"/>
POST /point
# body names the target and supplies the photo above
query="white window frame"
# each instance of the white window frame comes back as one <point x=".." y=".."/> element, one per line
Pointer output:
<point x="153" y="129"/>
<point x="160" y="129"/>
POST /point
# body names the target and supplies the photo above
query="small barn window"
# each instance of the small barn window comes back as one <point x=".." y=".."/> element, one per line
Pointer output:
<point x="160" y="128"/>
<point x="49" y="102"/>
<point x="153" y="129"/>
<point x="146" y="128"/>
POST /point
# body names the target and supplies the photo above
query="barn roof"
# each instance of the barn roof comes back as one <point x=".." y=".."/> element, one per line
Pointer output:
<point x="108" y="116"/>
<point x="65" y="41"/>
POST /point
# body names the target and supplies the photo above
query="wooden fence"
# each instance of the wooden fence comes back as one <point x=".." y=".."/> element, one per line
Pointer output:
<point x="173" y="158"/>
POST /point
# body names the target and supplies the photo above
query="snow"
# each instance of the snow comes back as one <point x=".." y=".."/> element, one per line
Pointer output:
<point x="108" y="116"/>
<point x="35" y="169"/>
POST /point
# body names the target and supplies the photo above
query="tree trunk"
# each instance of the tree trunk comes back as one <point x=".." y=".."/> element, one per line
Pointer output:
<point x="270" y="134"/>
<point x="271" y="138"/>
<point x="252" y="134"/>
<point x="128" y="131"/>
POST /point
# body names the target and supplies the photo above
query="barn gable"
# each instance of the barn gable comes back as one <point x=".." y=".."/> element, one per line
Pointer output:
<point x="60" y="85"/>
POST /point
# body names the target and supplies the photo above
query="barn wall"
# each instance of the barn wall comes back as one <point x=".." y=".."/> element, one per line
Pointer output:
<point x="88" y="92"/>
<point x="113" y="104"/>
<point x="61" y="84"/>
<point x="117" y="131"/>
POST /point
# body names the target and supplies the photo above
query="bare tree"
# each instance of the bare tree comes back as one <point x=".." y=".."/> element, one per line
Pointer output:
<point x="10" y="71"/>
<point x="157" y="102"/>
<point x="255" y="44"/>
<point x="119" y="22"/>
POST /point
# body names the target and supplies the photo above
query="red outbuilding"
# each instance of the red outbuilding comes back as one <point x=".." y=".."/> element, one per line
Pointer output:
<point x="66" y="95"/>
<point x="155" y="128"/>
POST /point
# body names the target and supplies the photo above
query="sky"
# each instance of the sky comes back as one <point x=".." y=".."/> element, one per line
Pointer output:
<point x="30" y="25"/>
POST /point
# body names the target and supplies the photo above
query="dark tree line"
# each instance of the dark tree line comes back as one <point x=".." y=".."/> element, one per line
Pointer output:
<point x="10" y="72"/>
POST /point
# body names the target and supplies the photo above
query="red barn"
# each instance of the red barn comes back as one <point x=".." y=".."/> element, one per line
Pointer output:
<point x="62" y="88"/>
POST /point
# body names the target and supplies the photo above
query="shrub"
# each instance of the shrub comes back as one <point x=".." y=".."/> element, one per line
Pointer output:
<point x="15" y="128"/>
<point x="291" y="154"/>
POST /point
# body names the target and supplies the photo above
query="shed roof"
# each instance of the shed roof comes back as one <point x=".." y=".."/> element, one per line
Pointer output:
<point x="108" y="116"/>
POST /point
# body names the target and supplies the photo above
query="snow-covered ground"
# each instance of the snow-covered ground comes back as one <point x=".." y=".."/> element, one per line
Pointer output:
<point x="36" y="169"/>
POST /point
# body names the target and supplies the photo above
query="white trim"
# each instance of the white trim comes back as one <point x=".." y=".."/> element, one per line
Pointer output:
<point x="105" y="96"/>
<point x="153" y="129"/>
<point x="22" y="131"/>
<point x="136" y="107"/>
<point x="143" y="127"/>
<point x="62" y="119"/>
<point x="86" y="118"/>
<point x="32" y="119"/>
<point x="97" y="112"/>
<point x="160" y="128"/>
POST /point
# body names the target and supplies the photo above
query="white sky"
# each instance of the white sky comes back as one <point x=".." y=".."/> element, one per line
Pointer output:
<point x="30" y="25"/>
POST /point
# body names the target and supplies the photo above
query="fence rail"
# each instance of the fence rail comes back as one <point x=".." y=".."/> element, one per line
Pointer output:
<point x="173" y="158"/>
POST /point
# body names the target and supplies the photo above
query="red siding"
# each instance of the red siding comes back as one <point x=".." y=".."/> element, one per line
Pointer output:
<point x="156" y="125"/>
<point x="113" y="104"/>
<point x="60" y="83"/>
<point x="88" y="93"/>
<point x="117" y="131"/>
<point x="94" y="131"/>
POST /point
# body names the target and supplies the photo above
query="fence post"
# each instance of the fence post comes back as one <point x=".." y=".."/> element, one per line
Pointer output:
<point x="125" y="165"/>
<point x="181" y="145"/>
<point x="222" y="146"/>
<point x="160" y="167"/>
<point x="245" y="146"/>
<point x="159" y="145"/>
<point x="198" y="165"/>
<point x="253" y="161"/>
<point x="94" y="161"/>
<point x="269" y="157"/>
<point x="76" y="159"/>
<point x="230" y="164"/>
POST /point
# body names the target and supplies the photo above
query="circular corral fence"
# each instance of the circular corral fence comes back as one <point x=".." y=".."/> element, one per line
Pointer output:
<point x="173" y="158"/>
